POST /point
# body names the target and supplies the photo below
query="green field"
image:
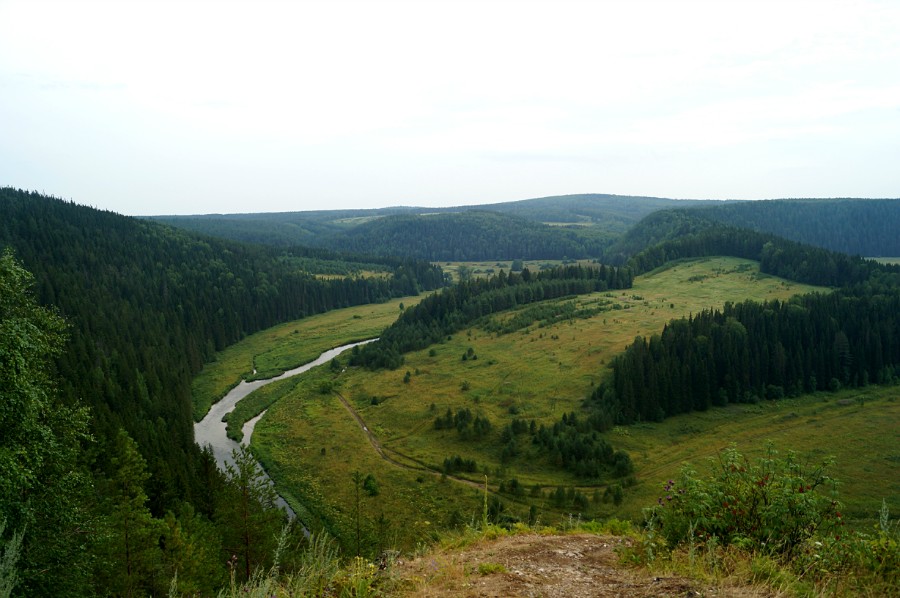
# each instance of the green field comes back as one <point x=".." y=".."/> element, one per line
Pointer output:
<point x="858" y="427"/>
<point x="271" y="352"/>
<point x="312" y="444"/>
<point x="311" y="447"/>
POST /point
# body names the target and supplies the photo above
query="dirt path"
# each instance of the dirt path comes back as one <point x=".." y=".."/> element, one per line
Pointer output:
<point x="567" y="566"/>
<point x="373" y="440"/>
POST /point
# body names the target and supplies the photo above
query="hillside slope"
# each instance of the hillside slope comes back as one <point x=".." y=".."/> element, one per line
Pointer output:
<point x="866" y="227"/>
<point x="148" y="304"/>
<point x="466" y="236"/>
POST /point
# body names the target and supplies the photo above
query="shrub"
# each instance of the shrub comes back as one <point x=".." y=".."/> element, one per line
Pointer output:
<point x="771" y="506"/>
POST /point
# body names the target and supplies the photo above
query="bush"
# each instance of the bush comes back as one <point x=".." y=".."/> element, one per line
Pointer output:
<point x="773" y="505"/>
<point x="776" y="515"/>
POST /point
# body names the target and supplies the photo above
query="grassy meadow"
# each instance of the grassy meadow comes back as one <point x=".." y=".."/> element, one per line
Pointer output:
<point x="536" y="372"/>
<point x="312" y="447"/>
<point x="857" y="427"/>
<point x="312" y="444"/>
<point x="271" y="352"/>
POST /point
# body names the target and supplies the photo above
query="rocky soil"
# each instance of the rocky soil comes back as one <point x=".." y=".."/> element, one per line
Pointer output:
<point x="568" y="566"/>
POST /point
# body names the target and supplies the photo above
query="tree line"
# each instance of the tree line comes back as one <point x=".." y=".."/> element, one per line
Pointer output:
<point x="776" y="256"/>
<point x="750" y="351"/>
<point x="456" y="307"/>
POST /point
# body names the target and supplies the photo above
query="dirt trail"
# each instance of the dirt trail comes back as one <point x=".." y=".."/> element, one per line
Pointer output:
<point x="566" y="566"/>
<point x="373" y="440"/>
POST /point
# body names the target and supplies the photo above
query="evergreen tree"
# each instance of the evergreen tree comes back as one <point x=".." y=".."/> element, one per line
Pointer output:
<point x="133" y="561"/>
<point x="248" y="514"/>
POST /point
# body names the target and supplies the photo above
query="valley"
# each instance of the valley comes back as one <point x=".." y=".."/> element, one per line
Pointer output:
<point x="312" y="445"/>
<point x="504" y="395"/>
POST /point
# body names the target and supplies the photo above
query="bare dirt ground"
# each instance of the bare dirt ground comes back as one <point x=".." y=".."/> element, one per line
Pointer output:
<point x="569" y="566"/>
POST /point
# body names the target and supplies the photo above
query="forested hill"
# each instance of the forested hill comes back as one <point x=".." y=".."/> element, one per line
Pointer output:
<point x="583" y="225"/>
<point x="281" y="229"/>
<point x="148" y="304"/>
<point x="612" y="213"/>
<point x="467" y="236"/>
<point x="590" y="218"/>
<point x="866" y="227"/>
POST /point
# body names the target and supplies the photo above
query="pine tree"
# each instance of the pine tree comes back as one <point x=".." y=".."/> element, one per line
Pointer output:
<point x="133" y="564"/>
<point x="248" y="513"/>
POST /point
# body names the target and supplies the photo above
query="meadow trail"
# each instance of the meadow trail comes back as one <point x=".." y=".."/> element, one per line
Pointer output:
<point x="373" y="440"/>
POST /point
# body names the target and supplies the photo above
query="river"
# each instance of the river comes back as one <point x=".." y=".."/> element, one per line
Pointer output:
<point x="211" y="429"/>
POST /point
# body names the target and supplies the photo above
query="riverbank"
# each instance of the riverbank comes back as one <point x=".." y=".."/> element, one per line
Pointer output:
<point x="212" y="429"/>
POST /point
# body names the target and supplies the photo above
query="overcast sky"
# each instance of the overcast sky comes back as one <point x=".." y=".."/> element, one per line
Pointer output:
<point x="250" y="106"/>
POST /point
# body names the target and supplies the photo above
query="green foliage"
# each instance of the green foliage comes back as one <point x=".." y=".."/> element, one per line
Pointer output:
<point x="684" y="234"/>
<point x="316" y="565"/>
<point x="192" y="552"/>
<point x="131" y="560"/>
<point x="9" y="555"/>
<point x="247" y="515"/>
<point x="773" y="505"/>
<point x="490" y="568"/>
<point x="458" y="464"/>
<point x="465" y="236"/>
<point x="370" y="485"/>
<point x="775" y="516"/>
<point x="44" y="488"/>
<point x="575" y="444"/>
<point x="750" y="350"/>
<point x="546" y="313"/>
<point x="850" y="226"/>
<point x="586" y="222"/>
<point x="30" y="337"/>
<point x="464" y="423"/>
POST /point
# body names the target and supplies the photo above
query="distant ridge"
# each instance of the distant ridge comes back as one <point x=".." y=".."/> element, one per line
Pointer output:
<point x="582" y="225"/>
<point x="574" y="226"/>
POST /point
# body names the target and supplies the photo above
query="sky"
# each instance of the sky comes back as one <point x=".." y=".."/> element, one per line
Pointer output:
<point x="196" y="107"/>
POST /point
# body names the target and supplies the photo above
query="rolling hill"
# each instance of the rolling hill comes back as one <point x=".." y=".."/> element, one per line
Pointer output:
<point x="575" y="226"/>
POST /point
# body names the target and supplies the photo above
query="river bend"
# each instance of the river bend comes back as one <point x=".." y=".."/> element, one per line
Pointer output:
<point x="211" y="429"/>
